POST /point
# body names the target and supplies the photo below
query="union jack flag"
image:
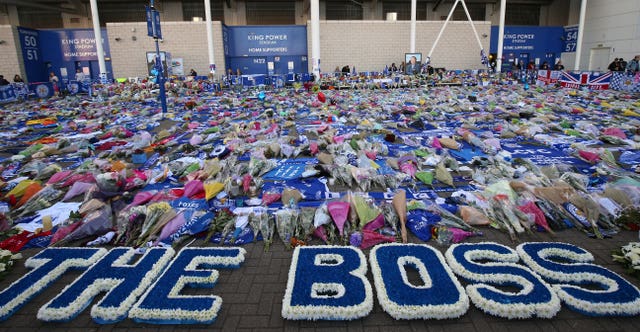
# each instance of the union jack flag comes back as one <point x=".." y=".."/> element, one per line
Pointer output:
<point x="594" y="81"/>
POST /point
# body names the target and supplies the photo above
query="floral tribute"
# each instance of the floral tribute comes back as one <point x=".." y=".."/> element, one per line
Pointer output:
<point x="7" y="260"/>
<point x="47" y="267"/>
<point x="568" y="269"/>
<point x="440" y="295"/>
<point x="114" y="274"/>
<point x="193" y="267"/>
<point x="487" y="265"/>
<point x="327" y="283"/>
<point x="629" y="256"/>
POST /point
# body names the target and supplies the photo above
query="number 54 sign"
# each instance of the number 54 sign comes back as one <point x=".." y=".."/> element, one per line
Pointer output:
<point x="570" y="38"/>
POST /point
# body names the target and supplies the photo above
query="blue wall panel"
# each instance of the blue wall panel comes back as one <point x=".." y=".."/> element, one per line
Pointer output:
<point x="44" y="51"/>
<point x="251" y="48"/>
<point x="528" y="43"/>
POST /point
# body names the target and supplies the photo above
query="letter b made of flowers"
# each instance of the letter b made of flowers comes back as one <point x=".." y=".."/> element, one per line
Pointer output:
<point x="327" y="283"/>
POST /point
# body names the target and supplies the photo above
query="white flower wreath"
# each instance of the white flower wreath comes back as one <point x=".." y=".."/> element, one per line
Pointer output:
<point x="101" y="313"/>
<point x="328" y="293"/>
<point x="57" y="261"/>
<point x="189" y="309"/>
<point x="535" y="297"/>
<point x="431" y="306"/>
<point x="567" y="267"/>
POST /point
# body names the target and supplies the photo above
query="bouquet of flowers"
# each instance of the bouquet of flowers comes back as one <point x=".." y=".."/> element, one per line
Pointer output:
<point x="154" y="213"/>
<point x="7" y="260"/>
<point x="267" y="229"/>
<point x="399" y="203"/>
<point x="339" y="212"/>
<point x="286" y="220"/>
<point x="503" y="211"/>
<point x="443" y="175"/>
<point x="222" y="218"/>
<point x="629" y="256"/>
<point x="390" y="216"/>
<point x="41" y="200"/>
<point x="128" y="224"/>
<point x="259" y="167"/>
<point x="365" y="209"/>
<point x="305" y="224"/>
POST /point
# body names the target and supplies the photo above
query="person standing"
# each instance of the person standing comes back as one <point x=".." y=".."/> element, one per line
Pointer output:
<point x="634" y="65"/>
<point x="531" y="66"/>
<point x="622" y="64"/>
<point x="614" y="65"/>
<point x="54" y="81"/>
<point x="558" y="65"/>
<point x="80" y="77"/>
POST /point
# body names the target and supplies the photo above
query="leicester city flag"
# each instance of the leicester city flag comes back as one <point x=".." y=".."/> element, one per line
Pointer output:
<point x="484" y="59"/>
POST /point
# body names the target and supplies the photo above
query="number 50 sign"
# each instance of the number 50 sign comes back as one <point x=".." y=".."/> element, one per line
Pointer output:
<point x="30" y="48"/>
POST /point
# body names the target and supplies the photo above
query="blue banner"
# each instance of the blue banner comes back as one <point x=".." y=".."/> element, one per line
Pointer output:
<point x="529" y="43"/>
<point x="7" y="94"/>
<point x="41" y="89"/>
<point x="289" y="169"/>
<point x="21" y="90"/>
<point x="153" y="23"/>
<point x="62" y="52"/>
<point x="73" y="44"/>
<point x="32" y="57"/>
<point x="268" y="50"/>
<point x="265" y="40"/>
<point x="544" y="155"/>
<point x="75" y="87"/>
<point x="570" y="38"/>
<point x="625" y="82"/>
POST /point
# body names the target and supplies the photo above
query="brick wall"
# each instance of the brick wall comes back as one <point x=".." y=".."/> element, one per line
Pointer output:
<point x="10" y="52"/>
<point x="370" y="45"/>
<point x="186" y="40"/>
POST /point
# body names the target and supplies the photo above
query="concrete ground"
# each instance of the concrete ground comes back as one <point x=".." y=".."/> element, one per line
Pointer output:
<point x="252" y="298"/>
